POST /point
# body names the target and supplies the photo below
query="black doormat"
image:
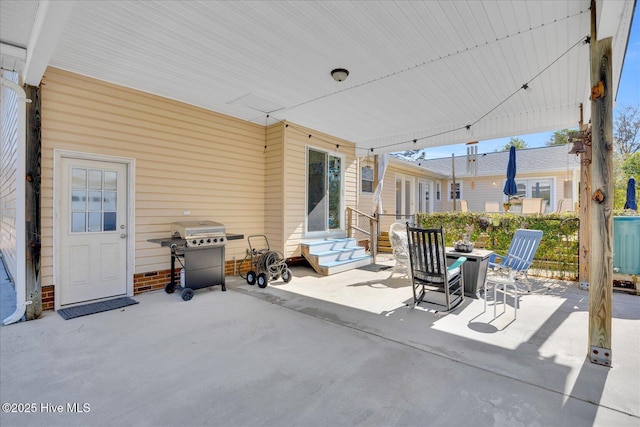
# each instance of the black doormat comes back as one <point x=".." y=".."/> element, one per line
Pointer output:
<point x="95" y="307"/>
<point x="375" y="267"/>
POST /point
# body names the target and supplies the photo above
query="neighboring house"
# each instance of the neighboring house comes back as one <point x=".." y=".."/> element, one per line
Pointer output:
<point x="549" y="173"/>
<point x="407" y="188"/>
<point x="154" y="161"/>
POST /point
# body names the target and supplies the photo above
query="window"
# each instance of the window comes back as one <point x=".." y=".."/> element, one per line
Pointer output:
<point x="93" y="200"/>
<point x="325" y="196"/>
<point x="438" y="191"/>
<point x="543" y="188"/>
<point x="458" y="190"/>
<point x="366" y="180"/>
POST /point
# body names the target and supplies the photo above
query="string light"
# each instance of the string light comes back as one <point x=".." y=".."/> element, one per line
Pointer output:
<point x="525" y="86"/>
<point x="440" y="58"/>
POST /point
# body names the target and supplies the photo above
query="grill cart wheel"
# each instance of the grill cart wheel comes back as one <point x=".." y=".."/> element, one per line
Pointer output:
<point x="262" y="280"/>
<point x="251" y="277"/>
<point x="187" y="294"/>
<point x="286" y="275"/>
<point x="169" y="288"/>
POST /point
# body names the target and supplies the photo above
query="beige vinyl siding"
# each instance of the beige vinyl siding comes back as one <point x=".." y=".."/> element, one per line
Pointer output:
<point x="275" y="192"/>
<point x="187" y="159"/>
<point x="8" y="168"/>
<point x="484" y="191"/>
<point x="296" y="140"/>
<point x="396" y="169"/>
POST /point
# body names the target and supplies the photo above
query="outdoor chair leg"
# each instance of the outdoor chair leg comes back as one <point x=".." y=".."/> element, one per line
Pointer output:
<point x="504" y="298"/>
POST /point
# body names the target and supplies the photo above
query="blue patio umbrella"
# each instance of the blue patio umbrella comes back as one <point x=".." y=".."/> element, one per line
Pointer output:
<point x="510" y="187"/>
<point x="631" y="195"/>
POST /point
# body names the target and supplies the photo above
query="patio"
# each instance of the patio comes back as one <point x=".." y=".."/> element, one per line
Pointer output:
<point x="337" y="350"/>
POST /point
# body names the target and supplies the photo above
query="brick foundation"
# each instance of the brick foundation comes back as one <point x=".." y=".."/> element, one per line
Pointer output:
<point x="48" y="298"/>
<point x="153" y="280"/>
<point x="142" y="282"/>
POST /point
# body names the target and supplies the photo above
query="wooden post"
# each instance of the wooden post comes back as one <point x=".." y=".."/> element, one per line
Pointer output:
<point x="349" y="223"/>
<point x="585" y="210"/>
<point x="601" y="265"/>
<point x="32" y="211"/>
<point x="453" y="172"/>
<point x="373" y="240"/>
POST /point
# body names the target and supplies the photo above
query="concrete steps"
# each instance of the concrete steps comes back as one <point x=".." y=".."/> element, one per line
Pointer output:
<point x="331" y="256"/>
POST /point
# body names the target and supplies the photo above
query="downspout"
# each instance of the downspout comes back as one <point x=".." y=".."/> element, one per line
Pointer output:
<point x="20" y="280"/>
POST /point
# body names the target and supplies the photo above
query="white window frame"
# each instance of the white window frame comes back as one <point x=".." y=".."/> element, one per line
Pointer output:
<point x="528" y="188"/>
<point x="327" y="232"/>
<point x="362" y="179"/>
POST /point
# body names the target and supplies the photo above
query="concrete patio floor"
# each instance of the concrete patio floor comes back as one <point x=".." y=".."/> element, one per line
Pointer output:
<point x="324" y="351"/>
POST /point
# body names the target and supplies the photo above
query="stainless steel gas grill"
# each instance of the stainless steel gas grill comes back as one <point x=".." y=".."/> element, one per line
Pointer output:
<point x="199" y="233"/>
<point x="198" y="246"/>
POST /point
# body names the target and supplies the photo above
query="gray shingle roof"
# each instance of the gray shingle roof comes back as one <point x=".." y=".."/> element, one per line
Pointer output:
<point x="553" y="158"/>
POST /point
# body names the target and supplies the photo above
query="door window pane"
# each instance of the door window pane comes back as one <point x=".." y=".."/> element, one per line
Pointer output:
<point x="95" y="221"/>
<point x="110" y="180"/>
<point x="78" y="200"/>
<point x="109" y="201"/>
<point x="109" y="221"/>
<point x="93" y="208"/>
<point x="316" y="191"/>
<point x="95" y="200"/>
<point x="79" y="178"/>
<point x="95" y="179"/>
<point x="78" y="222"/>
<point x="335" y="192"/>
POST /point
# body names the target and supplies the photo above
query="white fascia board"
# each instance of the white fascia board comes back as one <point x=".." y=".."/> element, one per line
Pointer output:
<point x="48" y="25"/>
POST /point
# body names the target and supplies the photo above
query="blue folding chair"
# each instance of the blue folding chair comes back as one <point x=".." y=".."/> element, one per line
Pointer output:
<point x="514" y="265"/>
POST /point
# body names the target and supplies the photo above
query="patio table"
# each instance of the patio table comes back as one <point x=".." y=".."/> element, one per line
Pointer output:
<point x="475" y="268"/>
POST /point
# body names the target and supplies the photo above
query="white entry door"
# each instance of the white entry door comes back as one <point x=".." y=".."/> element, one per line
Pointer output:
<point x="93" y="230"/>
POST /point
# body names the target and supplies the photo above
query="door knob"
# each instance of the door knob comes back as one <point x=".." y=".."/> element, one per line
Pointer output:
<point x="122" y="236"/>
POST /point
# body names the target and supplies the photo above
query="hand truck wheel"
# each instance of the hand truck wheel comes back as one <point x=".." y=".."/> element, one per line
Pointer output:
<point x="251" y="277"/>
<point x="286" y="275"/>
<point x="262" y="280"/>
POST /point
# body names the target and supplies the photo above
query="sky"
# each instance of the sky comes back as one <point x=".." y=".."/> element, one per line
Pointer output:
<point x="628" y="94"/>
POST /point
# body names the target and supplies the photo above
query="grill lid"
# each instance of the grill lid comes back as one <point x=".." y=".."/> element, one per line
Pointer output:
<point x="186" y="229"/>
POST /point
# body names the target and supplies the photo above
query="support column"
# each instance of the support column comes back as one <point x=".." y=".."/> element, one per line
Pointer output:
<point x="32" y="211"/>
<point x="601" y="265"/>
<point x="585" y="210"/>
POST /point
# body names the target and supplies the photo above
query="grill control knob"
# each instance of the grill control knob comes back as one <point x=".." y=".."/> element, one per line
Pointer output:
<point x="201" y="241"/>
<point x="215" y="240"/>
<point x="221" y="239"/>
<point x="208" y="240"/>
<point x="194" y="242"/>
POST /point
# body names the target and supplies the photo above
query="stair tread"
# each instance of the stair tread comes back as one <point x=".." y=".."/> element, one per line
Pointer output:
<point x="335" y="252"/>
<point x="346" y="261"/>
<point x="325" y="241"/>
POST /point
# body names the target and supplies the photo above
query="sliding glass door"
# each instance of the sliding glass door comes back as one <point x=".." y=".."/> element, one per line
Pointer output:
<point x="324" y="192"/>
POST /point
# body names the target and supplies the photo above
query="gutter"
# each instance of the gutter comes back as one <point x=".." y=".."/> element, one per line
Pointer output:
<point x="20" y="280"/>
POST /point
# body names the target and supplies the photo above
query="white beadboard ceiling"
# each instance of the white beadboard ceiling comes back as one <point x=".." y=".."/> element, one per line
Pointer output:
<point x="419" y="70"/>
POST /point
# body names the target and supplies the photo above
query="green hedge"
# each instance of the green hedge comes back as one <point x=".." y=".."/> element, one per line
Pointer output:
<point x="557" y="255"/>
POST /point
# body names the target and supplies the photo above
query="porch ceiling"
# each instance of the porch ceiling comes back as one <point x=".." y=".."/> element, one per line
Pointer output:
<point x="418" y="70"/>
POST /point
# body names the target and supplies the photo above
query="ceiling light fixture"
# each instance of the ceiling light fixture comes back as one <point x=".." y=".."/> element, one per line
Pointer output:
<point x="339" y="74"/>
